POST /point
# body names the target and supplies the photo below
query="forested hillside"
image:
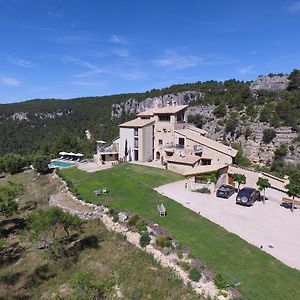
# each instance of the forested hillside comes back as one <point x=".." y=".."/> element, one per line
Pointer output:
<point x="51" y="125"/>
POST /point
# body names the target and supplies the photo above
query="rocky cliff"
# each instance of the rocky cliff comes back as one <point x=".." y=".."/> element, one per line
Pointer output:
<point x="274" y="83"/>
<point x="132" y="106"/>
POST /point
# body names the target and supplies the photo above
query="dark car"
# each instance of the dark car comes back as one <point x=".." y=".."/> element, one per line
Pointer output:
<point x="225" y="191"/>
<point x="247" y="196"/>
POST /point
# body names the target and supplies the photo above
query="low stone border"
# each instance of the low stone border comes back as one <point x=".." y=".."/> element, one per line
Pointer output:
<point x="204" y="287"/>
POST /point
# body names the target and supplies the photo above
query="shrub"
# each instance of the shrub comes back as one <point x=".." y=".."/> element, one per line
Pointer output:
<point x="185" y="265"/>
<point x="220" y="282"/>
<point x="163" y="241"/>
<point x="268" y="135"/>
<point x="115" y="218"/>
<point x="195" y="274"/>
<point x="144" y="239"/>
<point x="141" y="226"/>
<point x="203" y="190"/>
<point x="133" y="220"/>
<point x="180" y="254"/>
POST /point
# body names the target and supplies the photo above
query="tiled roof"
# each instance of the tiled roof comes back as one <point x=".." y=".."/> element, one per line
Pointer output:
<point x="163" y="110"/>
<point x="137" y="123"/>
<point x="198" y="138"/>
<point x="186" y="160"/>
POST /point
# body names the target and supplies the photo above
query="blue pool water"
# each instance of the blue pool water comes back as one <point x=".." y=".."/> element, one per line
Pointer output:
<point x="60" y="164"/>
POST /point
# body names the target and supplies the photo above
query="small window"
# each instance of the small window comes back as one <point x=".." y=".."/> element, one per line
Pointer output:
<point x="160" y="142"/>
<point x="136" y="143"/>
<point x="136" y="131"/>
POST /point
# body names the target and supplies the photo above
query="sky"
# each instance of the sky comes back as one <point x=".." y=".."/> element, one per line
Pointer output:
<point x="70" y="48"/>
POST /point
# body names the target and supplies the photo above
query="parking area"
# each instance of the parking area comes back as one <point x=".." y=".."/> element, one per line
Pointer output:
<point x="268" y="226"/>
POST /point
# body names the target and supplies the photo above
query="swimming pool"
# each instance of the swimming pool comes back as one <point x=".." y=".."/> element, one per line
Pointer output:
<point x="61" y="164"/>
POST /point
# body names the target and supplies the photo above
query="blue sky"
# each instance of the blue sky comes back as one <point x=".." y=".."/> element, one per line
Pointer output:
<point x="65" y="49"/>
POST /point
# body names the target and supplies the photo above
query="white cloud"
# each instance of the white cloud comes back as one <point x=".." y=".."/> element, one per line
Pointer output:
<point x="121" y="52"/>
<point x="10" y="81"/>
<point x="21" y="62"/>
<point x="94" y="69"/>
<point x="246" y="70"/>
<point x="177" y="61"/>
<point x="55" y="14"/>
<point x="294" y="7"/>
<point x="118" y="39"/>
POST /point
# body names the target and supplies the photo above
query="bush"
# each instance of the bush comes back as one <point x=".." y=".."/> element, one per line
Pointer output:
<point x="133" y="220"/>
<point x="268" y="135"/>
<point x="185" y="266"/>
<point x="180" y="254"/>
<point x="163" y="241"/>
<point x="141" y="226"/>
<point x="144" y="239"/>
<point x="195" y="274"/>
<point x="220" y="282"/>
<point x="203" y="190"/>
<point x="115" y="218"/>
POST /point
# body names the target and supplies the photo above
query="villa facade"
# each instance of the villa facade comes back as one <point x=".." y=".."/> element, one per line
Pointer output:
<point x="164" y="135"/>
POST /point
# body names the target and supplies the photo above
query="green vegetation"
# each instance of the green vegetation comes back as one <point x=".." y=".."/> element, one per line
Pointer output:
<point x="94" y="262"/>
<point x="131" y="189"/>
<point x="239" y="178"/>
<point x="268" y="135"/>
<point x="144" y="239"/>
<point x="220" y="282"/>
<point x="8" y="193"/>
<point x="263" y="184"/>
<point x="195" y="274"/>
<point x="240" y="159"/>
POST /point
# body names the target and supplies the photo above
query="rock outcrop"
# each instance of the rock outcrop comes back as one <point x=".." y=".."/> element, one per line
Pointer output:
<point x="132" y="106"/>
<point x="274" y="83"/>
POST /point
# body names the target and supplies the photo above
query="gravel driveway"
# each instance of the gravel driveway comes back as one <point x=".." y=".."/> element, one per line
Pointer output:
<point x="269" y="225"/>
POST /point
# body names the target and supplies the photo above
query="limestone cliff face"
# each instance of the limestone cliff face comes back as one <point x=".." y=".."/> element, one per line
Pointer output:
<point x="132" y="106"/>
<point x="270" y="84"/>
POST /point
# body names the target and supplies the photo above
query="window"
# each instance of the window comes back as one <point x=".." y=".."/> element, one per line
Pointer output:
<point x="181" y="141"/>
<point x="136" y="131"/>
<point x="160" y="142"/>
<point x="165" y="118"/>
<point x="136" y="142"/>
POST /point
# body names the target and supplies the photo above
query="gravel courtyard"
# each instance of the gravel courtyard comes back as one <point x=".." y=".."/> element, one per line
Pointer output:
<point x="270" y="226"/>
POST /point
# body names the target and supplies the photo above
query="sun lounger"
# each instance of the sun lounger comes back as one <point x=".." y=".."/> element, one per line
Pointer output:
<point x="162" y="210"/>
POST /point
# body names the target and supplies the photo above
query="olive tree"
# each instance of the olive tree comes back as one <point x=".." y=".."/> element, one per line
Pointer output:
<point x="263" y="184"/>
<point x="239" y="178"/>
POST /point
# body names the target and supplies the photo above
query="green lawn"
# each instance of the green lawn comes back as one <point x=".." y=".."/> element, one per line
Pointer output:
<point x="131" y="188"/>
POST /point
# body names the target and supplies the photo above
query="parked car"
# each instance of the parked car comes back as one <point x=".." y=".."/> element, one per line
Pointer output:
<point x="247" y="196"/>
<point x="225" y="191"/>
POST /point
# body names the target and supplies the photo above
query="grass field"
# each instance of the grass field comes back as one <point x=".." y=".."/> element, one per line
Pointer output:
<point x="131" y="188"/>
<point x="34" y="275"/>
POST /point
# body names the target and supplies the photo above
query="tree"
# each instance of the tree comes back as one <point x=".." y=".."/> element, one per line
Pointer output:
<point x="220" y="111"/>
<point x="294" y="80"/>
<point x="239" y="178"/>
<point x="13" y="163"/>
<point x="293" y="190"/>
<point x="41" y="163"/>
<point x="268" y="135"/>
<point x="8" y="206"/>
<point x="263" y="184"/>
<point x="240" y="159"/>
<point x="42" y="222"/>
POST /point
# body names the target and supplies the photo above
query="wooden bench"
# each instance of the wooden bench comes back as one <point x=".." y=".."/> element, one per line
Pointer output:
<point x="162" y="210"/>
<point x="291" y="201"/>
